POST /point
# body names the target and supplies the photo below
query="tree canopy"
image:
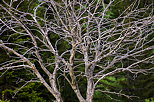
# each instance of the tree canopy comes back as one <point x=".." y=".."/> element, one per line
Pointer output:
<point x="76" y="50"/>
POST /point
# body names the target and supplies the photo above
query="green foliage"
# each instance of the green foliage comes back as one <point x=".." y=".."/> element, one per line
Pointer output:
<point x="28" y="94"/>
<point x="111" y="84"/>
<point x="149" y="100"/>
<point x="32" y="92"/>
<point x="3" y="99"/>
<point x="140" y="86"/>
<point x="111" y="81"/>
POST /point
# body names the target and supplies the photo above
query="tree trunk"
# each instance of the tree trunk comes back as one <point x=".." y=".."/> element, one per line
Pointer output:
<point x="90" y="84"/>
<point x="90" y="90"/>
<point x="59" y="98"/>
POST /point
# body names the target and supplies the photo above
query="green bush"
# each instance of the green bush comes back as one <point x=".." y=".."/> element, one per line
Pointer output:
<point x="4" y="100"/>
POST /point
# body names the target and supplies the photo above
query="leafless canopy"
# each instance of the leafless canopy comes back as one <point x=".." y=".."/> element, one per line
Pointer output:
<point x="76" y="38"/>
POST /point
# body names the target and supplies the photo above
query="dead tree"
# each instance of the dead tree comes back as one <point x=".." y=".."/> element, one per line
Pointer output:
<point x="94" y="40"/>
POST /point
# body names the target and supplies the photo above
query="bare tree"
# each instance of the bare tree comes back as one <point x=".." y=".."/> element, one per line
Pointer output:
<point x="96" y="42"/>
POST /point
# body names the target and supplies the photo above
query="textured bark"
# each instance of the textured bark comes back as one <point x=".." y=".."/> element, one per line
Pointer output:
<point x="96" y="43"/>
<point x="90" y="90"/>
